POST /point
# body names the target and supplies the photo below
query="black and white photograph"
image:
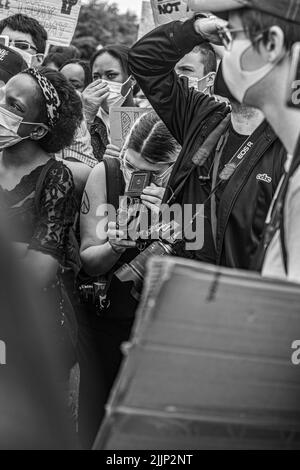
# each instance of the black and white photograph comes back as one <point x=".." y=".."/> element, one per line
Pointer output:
<point x="150" y="228"/>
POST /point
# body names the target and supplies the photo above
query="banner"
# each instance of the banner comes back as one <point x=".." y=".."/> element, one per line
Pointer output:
<point x="165" y="11"/>
<point x="121" y="122"/>
<point x="147" y="21"/>
<point x="59" y="17"/>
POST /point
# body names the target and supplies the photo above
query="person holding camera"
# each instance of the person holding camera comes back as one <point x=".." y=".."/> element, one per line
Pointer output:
<point x="108" y="314"/>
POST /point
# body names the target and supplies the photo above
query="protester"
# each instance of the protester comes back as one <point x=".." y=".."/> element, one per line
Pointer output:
<point x="266" y="33"/>
<point x="200" y="63"/>
<point x="112" y="86"/>
<point x="149" y="147"/>
<point x="234" y="213"/>
<point x="27" y="36"/>
<point x="78" y="72"/>
<point x="39" y="113"/>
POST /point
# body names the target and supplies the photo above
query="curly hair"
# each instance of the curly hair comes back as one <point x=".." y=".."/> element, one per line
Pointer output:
<point x="70" y="113"/>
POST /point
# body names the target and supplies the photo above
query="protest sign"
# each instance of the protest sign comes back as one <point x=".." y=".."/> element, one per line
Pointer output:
<point x="147" y="21"/>
<point x="121" y="122"/>
<point x="59" y="17"/>
<point x="165" y="11"/>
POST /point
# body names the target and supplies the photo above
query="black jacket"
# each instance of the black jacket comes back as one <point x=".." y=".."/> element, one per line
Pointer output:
<point x="191" y="116"/>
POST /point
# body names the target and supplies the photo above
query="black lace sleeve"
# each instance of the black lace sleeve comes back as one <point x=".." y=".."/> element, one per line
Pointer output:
<point x="57" y="211"/>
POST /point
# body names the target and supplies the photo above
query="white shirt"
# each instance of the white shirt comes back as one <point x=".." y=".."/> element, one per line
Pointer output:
<point x="274" y="262"/>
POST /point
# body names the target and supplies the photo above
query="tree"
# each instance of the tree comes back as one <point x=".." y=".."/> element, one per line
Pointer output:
<point x="102" y="23"/>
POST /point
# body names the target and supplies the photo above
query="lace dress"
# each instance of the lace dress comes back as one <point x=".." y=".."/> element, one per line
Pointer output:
<point x="40" y="210"/>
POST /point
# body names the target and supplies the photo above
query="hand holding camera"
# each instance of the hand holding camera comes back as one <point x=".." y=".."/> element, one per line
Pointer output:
<point x="152" y="197"/>
<point x="117" y="239"/>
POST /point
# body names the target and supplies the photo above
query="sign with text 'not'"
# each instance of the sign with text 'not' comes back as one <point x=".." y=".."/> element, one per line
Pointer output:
<point x="165" y="11"/>
<point x="59" y="17"/>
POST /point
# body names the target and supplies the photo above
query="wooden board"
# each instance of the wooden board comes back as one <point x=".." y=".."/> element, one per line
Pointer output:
<point x="209" y="364"/>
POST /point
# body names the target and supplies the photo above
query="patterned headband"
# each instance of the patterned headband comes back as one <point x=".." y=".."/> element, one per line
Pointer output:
<point x="50" y="94"/>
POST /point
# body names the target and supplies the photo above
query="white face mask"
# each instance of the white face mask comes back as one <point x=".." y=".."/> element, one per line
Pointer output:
<point x="196" y="83"/>
<point x="116" y="97"/>
<point x="9" y="126"/>
<point x="240" y="81"/>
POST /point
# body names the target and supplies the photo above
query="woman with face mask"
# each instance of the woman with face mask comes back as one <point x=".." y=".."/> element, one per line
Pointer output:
<point x="149" y="147"/>
<point x="112" y="86"/>
<point x="39" y="113"/>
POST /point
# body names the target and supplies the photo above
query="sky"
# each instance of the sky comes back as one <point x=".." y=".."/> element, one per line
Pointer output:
<point x="133" y="5"/>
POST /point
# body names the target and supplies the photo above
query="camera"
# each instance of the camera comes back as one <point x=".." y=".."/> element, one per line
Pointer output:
<point x="133" y="216"/>
<point x="138" y="182"/>
<point x="95" y="293"/>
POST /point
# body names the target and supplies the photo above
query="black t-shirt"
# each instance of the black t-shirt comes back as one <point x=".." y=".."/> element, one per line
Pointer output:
<point x="233" y="144"/>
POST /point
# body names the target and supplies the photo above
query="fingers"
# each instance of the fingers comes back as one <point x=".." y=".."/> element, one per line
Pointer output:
<point x="155" y="191"/>
<point x="152" y="199"/>
<point x="112" y="151"/>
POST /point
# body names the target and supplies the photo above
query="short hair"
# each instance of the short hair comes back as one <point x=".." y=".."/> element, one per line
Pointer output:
<point x="256" y="22"/>
<point x="70" y="113"/>
<point x="208" y="57"/>
<point x="119" y="52"/>
<point x="86" y="68"/>
<point x="152" y="140"/>
<point x="27" y="25"/>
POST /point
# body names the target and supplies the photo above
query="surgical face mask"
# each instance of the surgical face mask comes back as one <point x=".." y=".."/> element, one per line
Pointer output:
<point x="220" y="87"/>
<point x="241" y="81"/>
<point x="198" y="83"/>
<point x="118" y="93"/>
<point x="9" y="126"/>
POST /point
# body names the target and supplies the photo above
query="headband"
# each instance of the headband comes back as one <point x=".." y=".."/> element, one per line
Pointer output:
<point x="50" y="95"/>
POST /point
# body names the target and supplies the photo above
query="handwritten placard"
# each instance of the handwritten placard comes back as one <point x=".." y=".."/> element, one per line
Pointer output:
<point x="122" y="120"/>
<point x="59" y="17"/>
<point x="165" y="11"/>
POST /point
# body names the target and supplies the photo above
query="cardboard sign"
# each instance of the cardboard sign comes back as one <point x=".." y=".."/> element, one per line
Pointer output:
<point x="147" y="21"/>
<point x="121" y="122"/>
<point x="165" y="11"/>
<point x="209" y="364"/>
<point x="59" y="17"/>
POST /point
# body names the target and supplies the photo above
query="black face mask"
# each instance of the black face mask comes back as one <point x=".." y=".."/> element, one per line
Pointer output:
<point x="220" y="88"/>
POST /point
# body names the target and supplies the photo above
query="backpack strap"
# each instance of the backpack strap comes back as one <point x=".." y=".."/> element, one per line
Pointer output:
<point x="115" y="184"/>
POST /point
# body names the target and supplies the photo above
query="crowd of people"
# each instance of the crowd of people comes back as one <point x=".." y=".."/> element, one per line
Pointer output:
<point x="216" y="136"/>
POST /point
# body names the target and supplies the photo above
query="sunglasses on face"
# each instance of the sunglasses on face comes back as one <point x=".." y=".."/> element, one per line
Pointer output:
<point x="22" y="45"/>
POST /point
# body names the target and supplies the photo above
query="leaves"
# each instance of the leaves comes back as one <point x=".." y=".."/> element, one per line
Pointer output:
<point x="100" y="23"/>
